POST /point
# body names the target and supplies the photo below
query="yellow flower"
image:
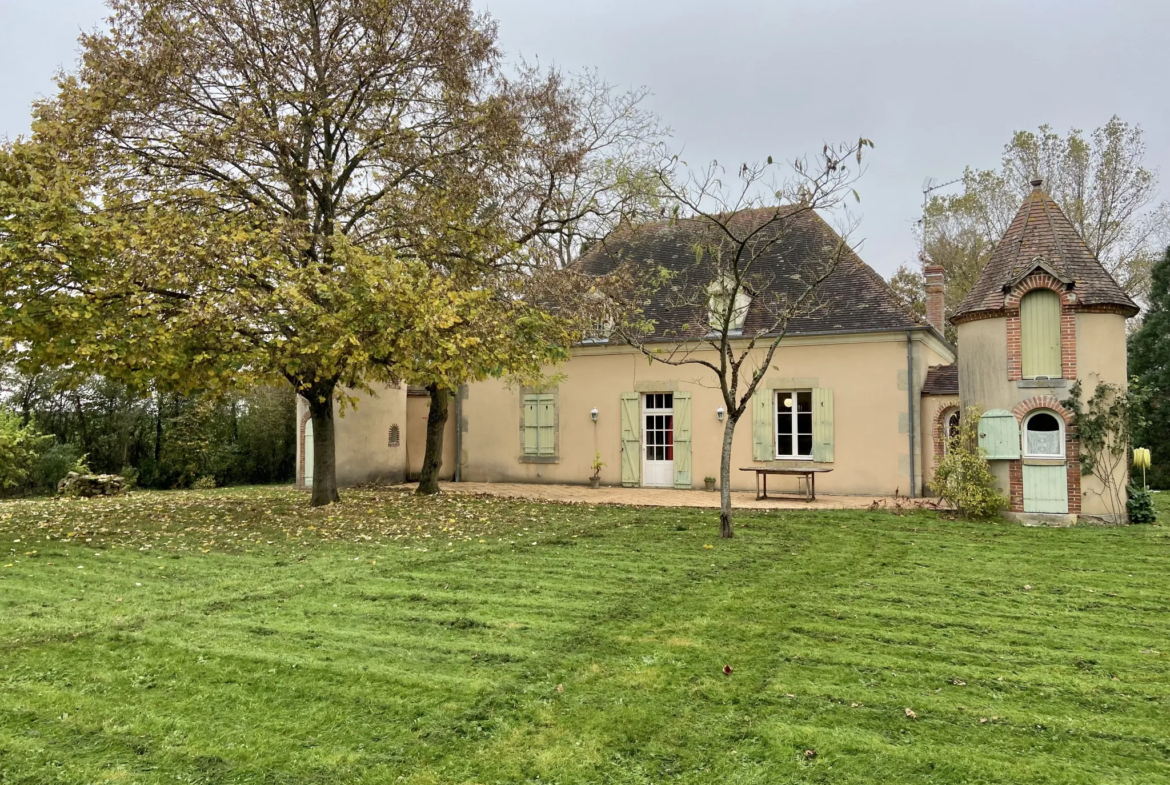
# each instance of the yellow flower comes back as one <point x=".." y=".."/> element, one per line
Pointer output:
<point x="1141" y="458"/>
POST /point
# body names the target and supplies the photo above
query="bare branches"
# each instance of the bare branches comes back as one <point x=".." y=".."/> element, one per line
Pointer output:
<point x="748" y="281"/>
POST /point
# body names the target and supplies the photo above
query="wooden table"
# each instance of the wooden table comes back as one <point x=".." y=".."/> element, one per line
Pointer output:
<point x="809" y="475"/>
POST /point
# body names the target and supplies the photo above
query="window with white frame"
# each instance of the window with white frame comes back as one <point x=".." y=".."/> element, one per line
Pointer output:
<point x="1043" y="435"/>
<point x="794" y="424"/>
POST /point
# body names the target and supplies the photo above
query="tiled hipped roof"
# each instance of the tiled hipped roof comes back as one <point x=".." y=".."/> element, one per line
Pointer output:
<point x="941" y="380"/>
<point x="1041" y="235"/>
<point x="853" y="298"/>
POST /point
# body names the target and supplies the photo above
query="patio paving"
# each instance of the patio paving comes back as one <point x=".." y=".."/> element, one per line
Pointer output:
<point x="669" y="497"/>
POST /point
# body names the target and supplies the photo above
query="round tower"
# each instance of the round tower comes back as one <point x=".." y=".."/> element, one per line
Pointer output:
<point x="1043" y="314"/>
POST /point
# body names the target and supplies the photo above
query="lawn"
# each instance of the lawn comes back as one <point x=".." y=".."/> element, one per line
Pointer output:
<point x="235" y="636"/>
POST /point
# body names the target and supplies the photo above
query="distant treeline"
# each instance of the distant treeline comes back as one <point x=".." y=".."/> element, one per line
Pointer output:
<point x="159" y="440"/>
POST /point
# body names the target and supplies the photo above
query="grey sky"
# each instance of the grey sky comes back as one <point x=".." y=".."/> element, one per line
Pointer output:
<point x="936" y="84"/>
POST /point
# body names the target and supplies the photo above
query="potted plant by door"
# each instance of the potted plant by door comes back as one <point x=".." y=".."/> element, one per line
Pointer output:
<point x="709" y="482"/>
<point x="595" y="479"/>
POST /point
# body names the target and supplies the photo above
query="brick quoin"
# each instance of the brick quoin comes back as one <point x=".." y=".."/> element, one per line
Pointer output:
<point x="1072" y="452"/>
<point x="1068" y="324"/>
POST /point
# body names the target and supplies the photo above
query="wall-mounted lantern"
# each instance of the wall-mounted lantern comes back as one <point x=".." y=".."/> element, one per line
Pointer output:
<point x="593" y="414"/>
<point x="719" y="414"/>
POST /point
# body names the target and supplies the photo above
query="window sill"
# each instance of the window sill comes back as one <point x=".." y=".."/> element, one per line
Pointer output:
<point x="539" y="459"/>
<point x="794" y="458"/>
<point x="1032" y="383"/>
<point x="1045" y="461"/>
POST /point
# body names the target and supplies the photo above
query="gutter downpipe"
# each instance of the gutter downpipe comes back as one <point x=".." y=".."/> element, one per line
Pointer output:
<point x="459" y="433"/>
<point x="910" y="405"/>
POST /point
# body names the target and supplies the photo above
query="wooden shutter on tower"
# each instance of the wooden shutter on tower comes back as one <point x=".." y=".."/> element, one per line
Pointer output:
<point x="1040" y="334"/>
<point x="999" y="435"/>
<point x="682" y="440"/>
<point x="631" y="439"/>
<point x="822" y="401"/>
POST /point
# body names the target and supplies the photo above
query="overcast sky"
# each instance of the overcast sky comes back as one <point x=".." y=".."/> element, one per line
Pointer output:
<point x="936" y="84"/>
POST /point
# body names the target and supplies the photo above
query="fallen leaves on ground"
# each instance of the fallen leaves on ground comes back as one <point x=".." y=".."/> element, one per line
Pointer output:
<point x="251" y="519"/>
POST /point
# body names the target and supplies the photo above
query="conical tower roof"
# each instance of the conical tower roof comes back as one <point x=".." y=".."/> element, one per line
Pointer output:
<point x="1041" y="236"/>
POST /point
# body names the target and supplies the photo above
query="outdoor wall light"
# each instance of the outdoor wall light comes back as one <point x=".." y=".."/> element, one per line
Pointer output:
<point x="593" y="414"/>
<point x="719" y="414"/>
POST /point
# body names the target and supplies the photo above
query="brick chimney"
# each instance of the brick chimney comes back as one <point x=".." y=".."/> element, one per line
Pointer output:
<point x="936" y="300"/>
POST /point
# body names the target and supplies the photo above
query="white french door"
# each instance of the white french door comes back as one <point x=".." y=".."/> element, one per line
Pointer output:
<point x="658" y="440"/>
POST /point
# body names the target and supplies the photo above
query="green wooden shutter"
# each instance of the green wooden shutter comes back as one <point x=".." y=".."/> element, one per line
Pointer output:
<point x="682" y="440"/>
<point x="999" y="435"/>
<point x="822" y="401"/>
<point x="763" y="425"/>
<point x="631" y="439"/>
<point x="545" y="425"/>
<point x="531" y="425"/>
<point x="1040" y="334"/>
<point x="1046" y="489"/>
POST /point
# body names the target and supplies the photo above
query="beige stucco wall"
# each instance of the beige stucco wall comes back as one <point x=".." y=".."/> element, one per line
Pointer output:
<point x="417" y="410"/>
<point x="983" y="377"/>
<point x="871" y="419"/>
<point x="362" y="434"/>
<point x="1101" y="357"/>
<point x="932" y="408"/>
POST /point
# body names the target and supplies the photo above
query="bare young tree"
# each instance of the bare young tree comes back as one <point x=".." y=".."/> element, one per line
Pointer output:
<point x="737" y="300"/>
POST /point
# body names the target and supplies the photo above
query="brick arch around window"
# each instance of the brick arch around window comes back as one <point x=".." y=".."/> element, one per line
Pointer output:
<point x="1072" y="451"/>
<point x="301" y="448"/>
<point x="1068" y="324"/>
<point x="939" y="428"/>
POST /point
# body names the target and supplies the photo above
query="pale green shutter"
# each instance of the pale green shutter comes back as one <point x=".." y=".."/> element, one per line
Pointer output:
<point x="631" y="439"/>
<point x="763" y="425"/>
<point x="545" y="425"/>
<point x="1040" y="334"/>
<point x="1046" y="489"/>
<point x="531" y="429"/>
<point x="999" y="435"/>
<point x="822" y="401"/>
<point x="682" y="440"/>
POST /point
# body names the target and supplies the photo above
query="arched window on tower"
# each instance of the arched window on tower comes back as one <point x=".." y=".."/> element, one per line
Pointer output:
<point x="1040" y="334"/>
<point x="1043" y="435"/>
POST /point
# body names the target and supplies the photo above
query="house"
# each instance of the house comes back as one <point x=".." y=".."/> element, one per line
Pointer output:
<point x="859" y="385"/>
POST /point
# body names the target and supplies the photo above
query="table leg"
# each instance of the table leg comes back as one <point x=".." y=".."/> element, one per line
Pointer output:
<point x="812" y="487"/>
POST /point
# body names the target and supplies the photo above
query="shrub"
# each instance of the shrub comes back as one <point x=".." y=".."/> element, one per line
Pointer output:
<point x="1140" y="505"/>
<point x="130" y="475"/>
<point x="20" y="449"/>
<point x="55" y="463"/>
<point x="205" y="483"/>
<point x="963" y="477"/>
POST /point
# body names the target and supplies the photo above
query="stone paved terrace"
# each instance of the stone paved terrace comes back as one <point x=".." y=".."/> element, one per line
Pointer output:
<point x="666" y="497"/>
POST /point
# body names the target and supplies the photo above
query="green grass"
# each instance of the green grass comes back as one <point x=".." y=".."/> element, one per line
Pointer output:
<point x="236" y="636"/>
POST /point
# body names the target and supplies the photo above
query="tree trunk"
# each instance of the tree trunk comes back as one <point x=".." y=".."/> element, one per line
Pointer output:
<point x="726" y="530"/>
<point x="324" y="446"/>
<point x="428" y="481"/>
